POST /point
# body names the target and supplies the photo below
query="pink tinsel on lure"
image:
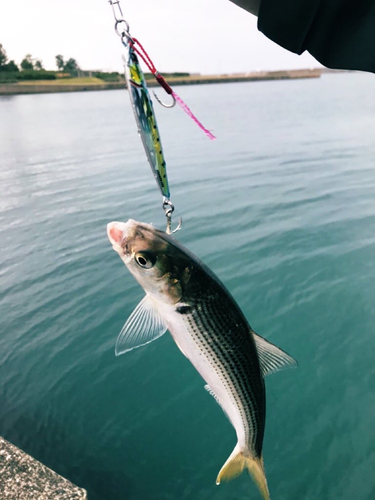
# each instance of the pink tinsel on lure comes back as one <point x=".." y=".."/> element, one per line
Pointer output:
<point x="147" y="60"/>
<point x="188" y="111"/>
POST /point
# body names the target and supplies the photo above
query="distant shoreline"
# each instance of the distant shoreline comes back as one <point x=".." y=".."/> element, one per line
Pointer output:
<point x="54" y="86"/>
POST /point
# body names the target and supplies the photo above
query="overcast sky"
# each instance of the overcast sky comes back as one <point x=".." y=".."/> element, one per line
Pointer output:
<point x="201" y="36"/>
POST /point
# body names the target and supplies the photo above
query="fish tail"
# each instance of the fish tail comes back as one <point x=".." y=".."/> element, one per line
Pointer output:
<point x="235" y="465"/>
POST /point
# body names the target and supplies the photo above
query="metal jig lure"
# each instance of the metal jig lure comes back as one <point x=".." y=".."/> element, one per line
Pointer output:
<point x="143" y="108"/>
<point x="147" y="127"/>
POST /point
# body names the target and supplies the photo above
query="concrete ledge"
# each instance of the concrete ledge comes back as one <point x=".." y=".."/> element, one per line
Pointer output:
<point x="24" y="478"/>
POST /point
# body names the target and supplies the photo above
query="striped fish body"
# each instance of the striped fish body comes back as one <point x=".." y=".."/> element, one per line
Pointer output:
<point x="184" y="296"/>
<point x="210" y="329"/>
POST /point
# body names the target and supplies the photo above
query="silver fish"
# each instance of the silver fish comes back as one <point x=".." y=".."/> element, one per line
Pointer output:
<point x="185" y="297"/>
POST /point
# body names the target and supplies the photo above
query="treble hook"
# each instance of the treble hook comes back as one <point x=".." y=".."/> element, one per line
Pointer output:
<point x="168" y="208"/>
<point x="163" y="103"/>
<point x="169" y="223"/>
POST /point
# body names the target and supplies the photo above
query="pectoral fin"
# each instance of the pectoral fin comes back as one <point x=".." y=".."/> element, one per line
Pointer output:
<point x="271" y="358"/>
<point x="143" y="326"/>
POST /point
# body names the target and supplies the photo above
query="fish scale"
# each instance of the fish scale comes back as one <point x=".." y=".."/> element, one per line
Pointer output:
<point x="235" y="346"/>
<point x="237" y="371"/>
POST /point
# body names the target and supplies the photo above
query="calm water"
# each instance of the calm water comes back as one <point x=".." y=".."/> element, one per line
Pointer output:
<point x="281" y="207"/>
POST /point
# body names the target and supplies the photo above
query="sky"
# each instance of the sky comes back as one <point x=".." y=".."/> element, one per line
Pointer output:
<point x="196" y="36"/>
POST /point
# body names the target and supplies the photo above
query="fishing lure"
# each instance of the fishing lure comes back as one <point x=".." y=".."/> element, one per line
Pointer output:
<point x="143" y="107"/>
<point x="146" y="121"/>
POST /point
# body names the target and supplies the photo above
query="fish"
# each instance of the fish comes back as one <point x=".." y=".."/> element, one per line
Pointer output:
<point x="185" y="297"/>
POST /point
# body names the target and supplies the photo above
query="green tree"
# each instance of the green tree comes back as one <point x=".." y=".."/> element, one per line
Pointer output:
<point x="71" y="66"/>
<point x="38" y="64"/>
<point x="11" y="66"/>
<point x="60" y="63"/>
<point x="27" y="62"/>
<point x="3" y="56"/>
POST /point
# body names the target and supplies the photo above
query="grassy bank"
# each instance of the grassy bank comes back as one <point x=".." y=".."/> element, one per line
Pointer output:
<point x="92" y="83"/>
<point x="66" y="81"/>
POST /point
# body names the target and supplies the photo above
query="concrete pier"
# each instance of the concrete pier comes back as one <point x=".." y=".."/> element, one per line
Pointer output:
<point x="24" y="478"/>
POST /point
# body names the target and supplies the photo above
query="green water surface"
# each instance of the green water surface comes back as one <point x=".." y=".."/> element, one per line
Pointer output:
<point x="281" y="207"/>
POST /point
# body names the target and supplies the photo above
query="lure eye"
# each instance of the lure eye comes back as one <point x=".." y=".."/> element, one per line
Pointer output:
<point x="145" y="260"/>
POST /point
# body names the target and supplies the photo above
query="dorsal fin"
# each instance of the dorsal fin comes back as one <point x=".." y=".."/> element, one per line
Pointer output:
<point x="271" y="358"/>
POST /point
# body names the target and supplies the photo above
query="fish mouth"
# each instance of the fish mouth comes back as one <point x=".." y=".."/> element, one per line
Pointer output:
<point x="117" y="232"/>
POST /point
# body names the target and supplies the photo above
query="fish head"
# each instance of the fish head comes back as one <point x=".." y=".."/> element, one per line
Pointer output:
<point x="155" y="259"/>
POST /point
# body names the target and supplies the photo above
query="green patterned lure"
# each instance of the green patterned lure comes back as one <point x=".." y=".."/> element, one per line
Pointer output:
<point x="143" y="108"/>
<point x="146" y="120"/>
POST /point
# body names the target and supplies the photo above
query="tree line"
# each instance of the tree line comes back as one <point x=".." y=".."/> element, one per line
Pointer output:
<point x="29" y="63"/>
<point x="31" y="68"/>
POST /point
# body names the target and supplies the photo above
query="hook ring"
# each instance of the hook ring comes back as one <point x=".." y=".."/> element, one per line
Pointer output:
<point x="124" y="32"/>
<point x="168" y="207"/>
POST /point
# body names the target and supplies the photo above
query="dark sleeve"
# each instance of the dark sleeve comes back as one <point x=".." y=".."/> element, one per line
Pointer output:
<point x="338" y="33"/>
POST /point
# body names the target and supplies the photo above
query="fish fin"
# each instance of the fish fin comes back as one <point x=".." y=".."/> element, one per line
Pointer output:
<point x="208" y="389"/>
<point x="178" y="345"/>
<point x="237" y="462"/>
<point x="271" y="358"/>
<point x="143" y="326"/>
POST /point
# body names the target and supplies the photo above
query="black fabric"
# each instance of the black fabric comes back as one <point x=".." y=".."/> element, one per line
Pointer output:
<point x="338" y="33"/>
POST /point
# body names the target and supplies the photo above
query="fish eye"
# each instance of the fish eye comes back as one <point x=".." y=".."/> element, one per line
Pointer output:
<point x="145" y="260"/>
